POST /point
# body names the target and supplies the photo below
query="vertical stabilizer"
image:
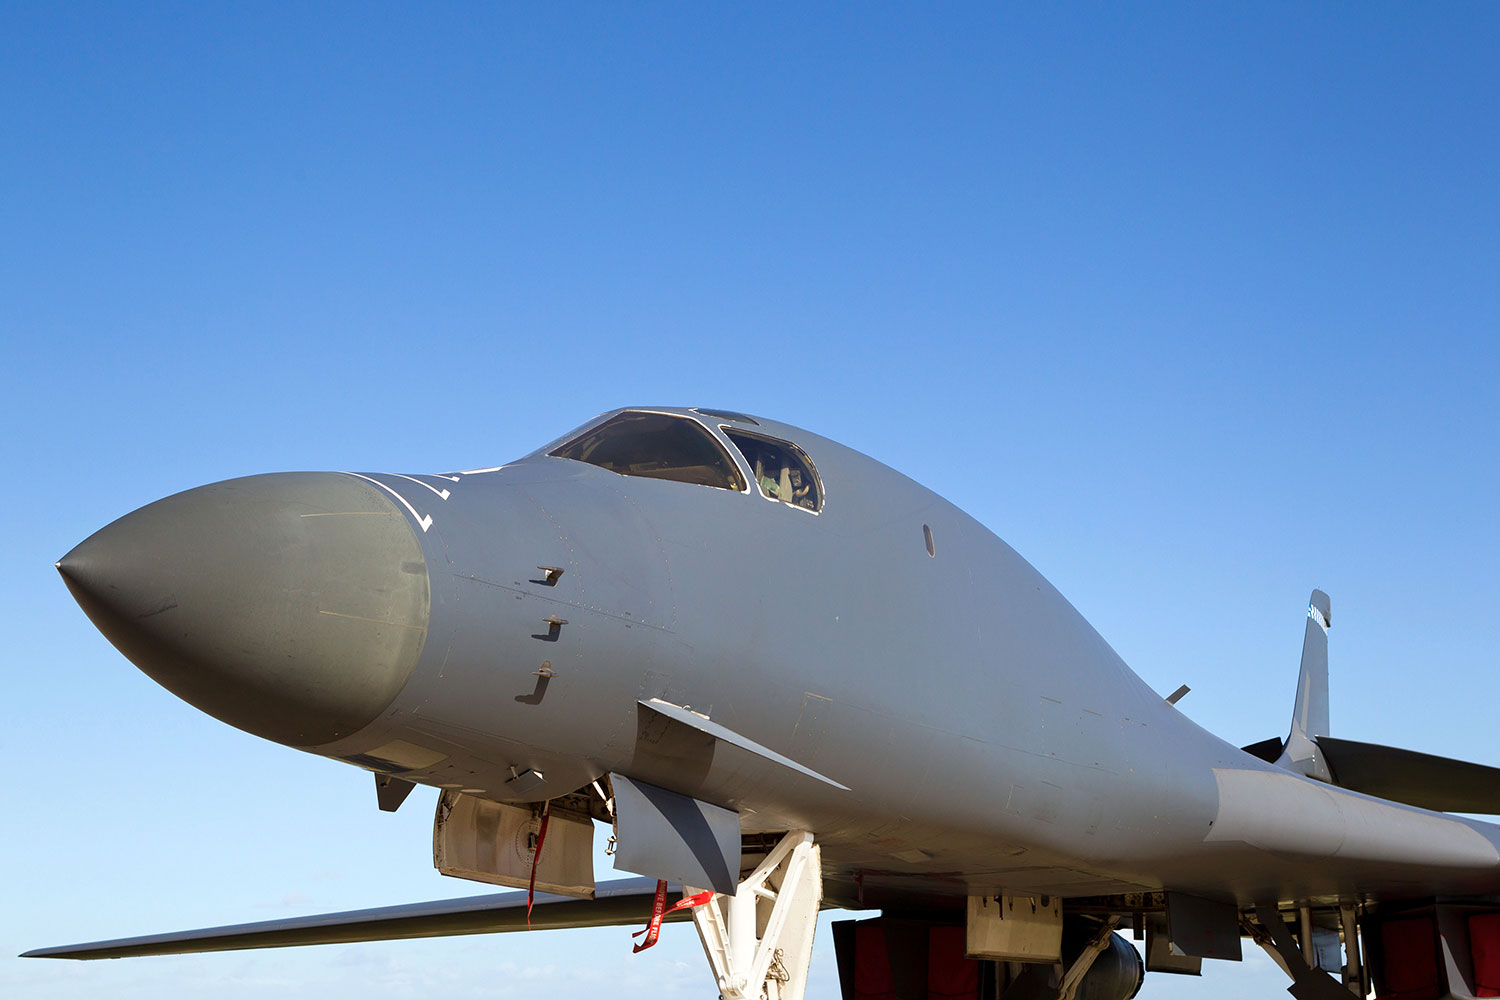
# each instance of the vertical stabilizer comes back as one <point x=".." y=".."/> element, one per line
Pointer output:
<point x="1310" y="716"/>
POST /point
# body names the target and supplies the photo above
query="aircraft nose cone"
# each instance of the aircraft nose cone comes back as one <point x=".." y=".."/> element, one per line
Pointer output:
<point x="293" y="606"/>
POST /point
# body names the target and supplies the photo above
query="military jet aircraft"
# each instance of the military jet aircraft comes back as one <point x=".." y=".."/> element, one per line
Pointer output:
<point x="785" y="678"/>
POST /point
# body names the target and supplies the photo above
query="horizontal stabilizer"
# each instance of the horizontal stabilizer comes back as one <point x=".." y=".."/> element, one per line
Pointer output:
<point x="1267" y="750"/>
<point x="1418" y="779"/>
<point x="622" y="901"/>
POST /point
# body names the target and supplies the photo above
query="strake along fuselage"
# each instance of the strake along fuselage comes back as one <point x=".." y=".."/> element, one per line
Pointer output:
<point x="990" y="739"/>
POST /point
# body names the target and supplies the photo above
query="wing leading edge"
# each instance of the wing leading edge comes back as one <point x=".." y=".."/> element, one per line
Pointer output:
<point x="622" y="901"/>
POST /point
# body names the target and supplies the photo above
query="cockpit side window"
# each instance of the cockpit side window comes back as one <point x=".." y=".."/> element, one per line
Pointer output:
<point x="780" y="468"/>
<point x="655" y="446"/>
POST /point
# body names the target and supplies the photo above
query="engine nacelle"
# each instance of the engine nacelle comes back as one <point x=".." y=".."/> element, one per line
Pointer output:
<point x="1116" y="974"/>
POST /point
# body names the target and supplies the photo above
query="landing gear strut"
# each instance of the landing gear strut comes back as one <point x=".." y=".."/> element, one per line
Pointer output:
<point x="781" y="896"/>
<point x="1308" y="981"/>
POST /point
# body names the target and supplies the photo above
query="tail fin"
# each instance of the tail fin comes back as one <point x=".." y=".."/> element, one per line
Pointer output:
<point x="1418" y="779"/>
<point x="1310" y="716"/>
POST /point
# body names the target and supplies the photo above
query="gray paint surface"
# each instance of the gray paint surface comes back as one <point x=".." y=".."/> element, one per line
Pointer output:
<point x="990" y="740"/>
<point x="675" y="837"/>
<point x="292" y="605"/>
<point x="693" y="720"/>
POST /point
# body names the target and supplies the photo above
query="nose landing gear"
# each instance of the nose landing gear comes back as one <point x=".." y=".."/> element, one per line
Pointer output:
<point x="782" y="895"/>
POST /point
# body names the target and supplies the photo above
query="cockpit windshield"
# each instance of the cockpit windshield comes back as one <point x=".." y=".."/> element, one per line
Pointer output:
<point x="780" y="468"/>
<point x="655" y="446"/>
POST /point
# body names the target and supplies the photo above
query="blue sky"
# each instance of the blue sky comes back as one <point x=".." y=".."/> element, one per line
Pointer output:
<point x="1197" y="306"/>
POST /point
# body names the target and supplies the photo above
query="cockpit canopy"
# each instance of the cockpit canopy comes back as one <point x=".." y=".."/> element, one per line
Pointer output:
<point x="656" y="446"/>
<point x="678" y="448"/>
<point x="780" y="468"/>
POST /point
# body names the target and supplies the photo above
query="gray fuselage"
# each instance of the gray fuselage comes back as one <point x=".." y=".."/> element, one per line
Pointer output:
<point x="990" y="740"/>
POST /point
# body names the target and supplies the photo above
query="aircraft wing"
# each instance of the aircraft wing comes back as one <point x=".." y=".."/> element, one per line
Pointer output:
<point x="622" y="901"/>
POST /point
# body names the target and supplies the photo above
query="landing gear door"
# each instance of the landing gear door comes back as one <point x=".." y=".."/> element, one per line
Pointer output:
<point x="670" y="836"/>
<point x="497" y="843"/>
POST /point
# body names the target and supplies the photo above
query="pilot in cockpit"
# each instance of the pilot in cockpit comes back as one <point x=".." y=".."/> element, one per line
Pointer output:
<point x="799" y="489"/>
<point x="768" y="485"/>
